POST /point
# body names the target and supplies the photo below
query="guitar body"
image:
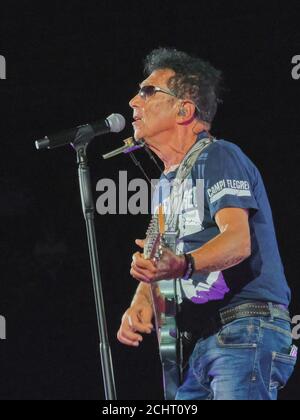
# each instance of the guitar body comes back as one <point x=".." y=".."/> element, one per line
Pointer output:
<point x="165" y="298"/>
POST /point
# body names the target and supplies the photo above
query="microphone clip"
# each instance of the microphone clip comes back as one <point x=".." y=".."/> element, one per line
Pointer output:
<point x="130" y="146"/>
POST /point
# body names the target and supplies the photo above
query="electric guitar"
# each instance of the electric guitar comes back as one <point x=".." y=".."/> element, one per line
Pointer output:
<point x="165" y="297"/>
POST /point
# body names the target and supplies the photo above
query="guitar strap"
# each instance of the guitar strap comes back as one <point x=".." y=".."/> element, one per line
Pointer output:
<point x="183" y="173"/>
<point x="172" y="223"/>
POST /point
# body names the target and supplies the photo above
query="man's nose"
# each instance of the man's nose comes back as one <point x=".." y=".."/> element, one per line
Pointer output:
<point x="134" y="101"/>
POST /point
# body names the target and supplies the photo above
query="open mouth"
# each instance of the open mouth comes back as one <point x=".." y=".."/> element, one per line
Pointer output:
<point x="137" y="120"/>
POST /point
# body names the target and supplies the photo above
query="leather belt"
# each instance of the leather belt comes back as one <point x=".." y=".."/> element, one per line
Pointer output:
<point x="254" y="309"/>
<point x="225" y="316"/>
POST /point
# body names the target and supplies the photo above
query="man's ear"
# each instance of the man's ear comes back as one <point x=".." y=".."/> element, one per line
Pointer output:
<point x="186" y="112"/>
<point x="182" y="112"/>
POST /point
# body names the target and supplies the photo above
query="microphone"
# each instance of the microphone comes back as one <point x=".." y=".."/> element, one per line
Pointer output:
<point x="83" y="133"/>
<point x="130" y="146"/>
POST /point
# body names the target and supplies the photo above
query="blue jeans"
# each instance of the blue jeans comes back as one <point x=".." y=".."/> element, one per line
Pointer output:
<point x="249" y="359"/>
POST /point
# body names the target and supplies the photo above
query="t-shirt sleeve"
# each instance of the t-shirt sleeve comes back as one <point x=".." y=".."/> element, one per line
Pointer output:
<point x="229" y="179"/>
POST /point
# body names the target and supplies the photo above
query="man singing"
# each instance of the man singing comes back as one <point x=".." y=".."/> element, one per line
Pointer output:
<point x="235" y="295"/>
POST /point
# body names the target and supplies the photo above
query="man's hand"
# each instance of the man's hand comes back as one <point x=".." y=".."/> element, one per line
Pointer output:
<point x="170" y="266"/>
<point x="136" y="319"/>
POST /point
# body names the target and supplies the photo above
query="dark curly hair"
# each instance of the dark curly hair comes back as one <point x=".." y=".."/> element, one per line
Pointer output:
<point x="194" y="79"/>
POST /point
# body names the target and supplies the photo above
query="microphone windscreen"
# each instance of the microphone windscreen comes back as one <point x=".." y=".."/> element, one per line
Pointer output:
<point x="116" y="122"/>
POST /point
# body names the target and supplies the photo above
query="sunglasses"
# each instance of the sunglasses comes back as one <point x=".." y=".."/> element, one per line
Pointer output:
<point x="147" y="91"/>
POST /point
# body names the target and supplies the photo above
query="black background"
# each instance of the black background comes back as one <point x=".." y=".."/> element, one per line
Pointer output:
<point x="73" y="62"/>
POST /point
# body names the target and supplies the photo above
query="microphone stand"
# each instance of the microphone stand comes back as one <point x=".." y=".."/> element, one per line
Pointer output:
<point x="80" y="145"/>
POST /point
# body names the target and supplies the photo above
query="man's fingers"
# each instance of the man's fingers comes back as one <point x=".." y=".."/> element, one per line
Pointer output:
<point x="141" y="263"/>
<point x="141" y="327"/>
<point x="140" y="243"/>
<point x="127" y="341"/>
<point x="141" y="321"/>
<point x="131" y="339"/>
<point x="134" y="323"/>
<point x="129" y="332"/>
<point x="143" y="271"/>
<point x="140" y="275"/>
<point x="137" y="325"/>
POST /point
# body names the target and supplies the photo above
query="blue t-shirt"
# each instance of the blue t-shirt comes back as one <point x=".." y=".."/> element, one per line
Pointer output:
<point x="223" y="177"/>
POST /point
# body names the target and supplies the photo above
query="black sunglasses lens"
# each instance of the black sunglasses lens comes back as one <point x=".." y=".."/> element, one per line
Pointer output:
<point x="147" y="91"/>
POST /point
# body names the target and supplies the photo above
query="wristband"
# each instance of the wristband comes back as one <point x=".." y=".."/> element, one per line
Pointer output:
<point x="190" y="267"/>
